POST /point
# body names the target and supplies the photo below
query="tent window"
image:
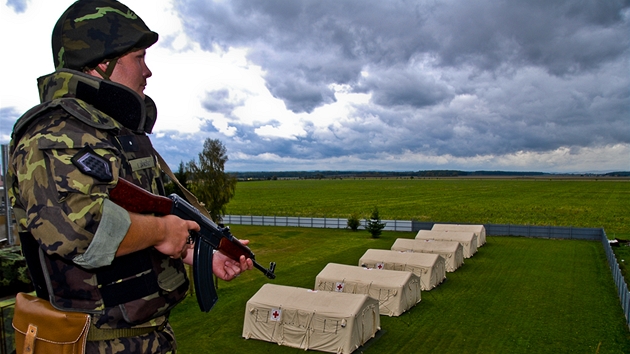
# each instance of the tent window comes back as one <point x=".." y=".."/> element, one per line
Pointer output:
<point x="262" y="315"/>
<point x="383" y="294"/>
<point x="331" y="326"/>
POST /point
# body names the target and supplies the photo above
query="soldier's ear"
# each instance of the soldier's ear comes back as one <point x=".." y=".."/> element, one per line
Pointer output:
<point x="94" y="72"/>
<point x="103" y="70"/>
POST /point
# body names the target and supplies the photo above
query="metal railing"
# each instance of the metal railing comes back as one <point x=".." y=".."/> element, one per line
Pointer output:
<point x="620" y="282"/>
<point x="558" y="232"/>
<point x="325" y="223"/>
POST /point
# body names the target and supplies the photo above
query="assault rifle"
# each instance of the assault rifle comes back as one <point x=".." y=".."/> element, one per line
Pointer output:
<point x="211" y="236"/>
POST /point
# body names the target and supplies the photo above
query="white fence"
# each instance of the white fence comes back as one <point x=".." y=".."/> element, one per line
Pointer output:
<point x="325" y="223"/>
<point x="412" y="226"/>
<point x="620" y="282"/>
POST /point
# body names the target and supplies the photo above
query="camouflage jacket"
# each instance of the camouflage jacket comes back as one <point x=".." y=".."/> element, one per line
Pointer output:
<point x="66" y="154"/>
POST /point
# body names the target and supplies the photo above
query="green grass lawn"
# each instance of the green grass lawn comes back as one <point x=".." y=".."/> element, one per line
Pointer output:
<point x="578" y="203"/>
<point x="516" y="295"/>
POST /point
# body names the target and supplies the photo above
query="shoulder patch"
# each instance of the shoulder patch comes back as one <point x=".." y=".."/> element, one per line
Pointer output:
<point x="93" y="164"/>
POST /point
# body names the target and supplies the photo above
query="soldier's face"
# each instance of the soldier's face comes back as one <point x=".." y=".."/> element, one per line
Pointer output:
<point x="132" y="71"/>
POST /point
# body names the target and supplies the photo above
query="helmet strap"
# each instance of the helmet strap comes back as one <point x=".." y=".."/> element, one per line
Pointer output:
<point x="108" y="72"/>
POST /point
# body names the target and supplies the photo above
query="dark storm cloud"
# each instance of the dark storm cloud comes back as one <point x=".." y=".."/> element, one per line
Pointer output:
<point x="313" y="38"/>
<point x="561" y="36"/>
<point x="396" y="87"/>
<point x="306" y="45"/>
<point x="464" y="78"/>
<point x="219" y="102"/>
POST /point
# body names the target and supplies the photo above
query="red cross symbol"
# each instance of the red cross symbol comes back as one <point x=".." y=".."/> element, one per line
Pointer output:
<point x="379" y="265"/>
<point x="275" y="314"/>
<point x="339" y="287"/>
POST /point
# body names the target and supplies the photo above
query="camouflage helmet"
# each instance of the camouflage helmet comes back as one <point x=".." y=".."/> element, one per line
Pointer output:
<point x="93" y="31"/>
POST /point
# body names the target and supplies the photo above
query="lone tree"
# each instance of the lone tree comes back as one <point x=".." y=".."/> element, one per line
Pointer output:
<point x="374" y="225"/>
<point x="210" y="184"/>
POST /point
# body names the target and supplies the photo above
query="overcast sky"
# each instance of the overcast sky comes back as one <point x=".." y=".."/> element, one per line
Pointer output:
<point x="536" y="85"/>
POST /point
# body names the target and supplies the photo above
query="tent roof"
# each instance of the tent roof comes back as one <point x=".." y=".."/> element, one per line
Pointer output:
<point x="383" y="278"/>
<point x="464" y="236"/>
<point x="322" y="302"/>
<point x="397" y="257"/>
<point x="459" y="227"/>
<point x="427" y="245"/>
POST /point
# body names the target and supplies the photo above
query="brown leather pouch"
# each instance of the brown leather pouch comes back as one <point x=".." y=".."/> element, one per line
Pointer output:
<point x="40" y="328"/>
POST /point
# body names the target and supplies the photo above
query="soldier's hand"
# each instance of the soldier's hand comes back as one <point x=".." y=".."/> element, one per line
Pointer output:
<point x="176" y="233"/>
<point x="226" y="268"/>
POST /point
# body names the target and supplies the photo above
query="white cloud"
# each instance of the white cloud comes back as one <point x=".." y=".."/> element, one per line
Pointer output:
<point x="27" y="52"/>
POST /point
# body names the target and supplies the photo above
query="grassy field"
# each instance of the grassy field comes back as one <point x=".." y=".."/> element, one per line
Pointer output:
<point x="578" y="203"/>
<point x="516" y="295"/>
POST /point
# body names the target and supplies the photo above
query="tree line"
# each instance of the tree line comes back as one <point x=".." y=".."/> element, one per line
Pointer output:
<point x="272" y="175"/>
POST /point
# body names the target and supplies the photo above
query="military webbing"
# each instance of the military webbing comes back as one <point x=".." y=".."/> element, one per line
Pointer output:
<point x="97" y="334"/>
<point x="189" y="196"/>
<point x="108" y="72"/>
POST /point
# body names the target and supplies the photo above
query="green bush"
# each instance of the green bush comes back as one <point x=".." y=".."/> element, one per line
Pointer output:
<point x="354" y="221"/>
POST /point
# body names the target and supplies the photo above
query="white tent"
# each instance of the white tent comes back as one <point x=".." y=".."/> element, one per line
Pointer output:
<point x="429" y="267"/>
<point x="317" y="320"/>
<point x="395" y="291"/>
<point x="451" y="251"/>
<point x="466" y="238"/>
<point x="479" y="230"/>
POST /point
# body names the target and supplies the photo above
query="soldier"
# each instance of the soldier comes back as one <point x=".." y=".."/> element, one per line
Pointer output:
<point x="86" y="253"/>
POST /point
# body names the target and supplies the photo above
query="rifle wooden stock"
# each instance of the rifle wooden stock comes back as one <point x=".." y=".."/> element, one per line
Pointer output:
<point x="211" y="236"/>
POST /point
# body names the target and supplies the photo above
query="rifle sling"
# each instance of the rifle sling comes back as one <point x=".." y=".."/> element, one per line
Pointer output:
<point x="189" y="196"/>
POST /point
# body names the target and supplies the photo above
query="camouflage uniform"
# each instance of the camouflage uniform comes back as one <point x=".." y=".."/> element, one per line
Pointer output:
<point x="66" y="154"/>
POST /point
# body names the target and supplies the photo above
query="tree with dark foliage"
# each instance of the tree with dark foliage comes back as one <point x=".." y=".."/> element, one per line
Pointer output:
<point x="374" y="225"/>
<point x="182" y="176"/>
<point x="209" y="182"/>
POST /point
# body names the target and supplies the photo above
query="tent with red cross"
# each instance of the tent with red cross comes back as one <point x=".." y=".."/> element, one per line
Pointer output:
<point x="327" y="321"/>
<point x="429" y="267"/>
<point x="451" y="251"/>
<point x="395" y="291"/>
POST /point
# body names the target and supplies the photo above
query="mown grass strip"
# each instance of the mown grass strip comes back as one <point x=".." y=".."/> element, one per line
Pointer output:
<point x="516" y="295"/>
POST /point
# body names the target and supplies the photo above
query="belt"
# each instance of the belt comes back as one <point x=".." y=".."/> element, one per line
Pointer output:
<point x="97" y="334"/>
